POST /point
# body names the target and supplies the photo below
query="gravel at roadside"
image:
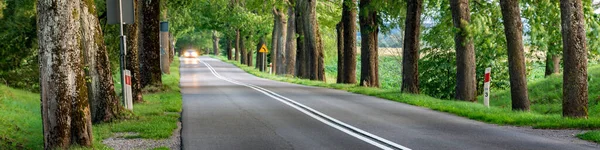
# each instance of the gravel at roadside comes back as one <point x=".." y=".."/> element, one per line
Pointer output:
<point x="118" y="142"/>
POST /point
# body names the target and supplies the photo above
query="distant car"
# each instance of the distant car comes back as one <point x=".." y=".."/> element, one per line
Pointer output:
<point x="190" y="54"/>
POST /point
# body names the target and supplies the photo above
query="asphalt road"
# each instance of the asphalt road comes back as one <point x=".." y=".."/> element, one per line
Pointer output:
<point x="226" y="108"/>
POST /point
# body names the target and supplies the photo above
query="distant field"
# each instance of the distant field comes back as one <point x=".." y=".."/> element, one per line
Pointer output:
<point x="383" y="51"/>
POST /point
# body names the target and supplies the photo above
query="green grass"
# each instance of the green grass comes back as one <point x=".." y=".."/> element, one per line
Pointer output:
<point x="20" y="119"/>
<point x="476" y="111"/>
<point x="21" y="124"/>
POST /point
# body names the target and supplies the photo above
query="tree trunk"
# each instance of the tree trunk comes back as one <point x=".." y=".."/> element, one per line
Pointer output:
<point x="290" y="44"/>
<point x="309" y="41"/>
<point x="243" y="52"/>
<point x="65" y="108"/>
<point x="150" y="56"/>
<point x="369" y="29"/>
<point x="513" y="29"/>
<point x="340" y="47"/>
<point x="248" y="52"/>
<point x="237" y="45"/>
<point x="259" y="55"/>
<point x="229" y="48"/>
<point x="552" y="64"/>
<point x="164" y="46"/>
<point x="274" y="39"/>
<point x="281" y="37"/>
<point x="104" y="104"/>
<point x="466" y="86"/>
<point x="349" y="13"/>
<point x="171" y="48"/>
<point x="215" y="43"/>
<point x="410" y="51"/>
<point x="575" y="86"/>
<point x="133" y="60"/>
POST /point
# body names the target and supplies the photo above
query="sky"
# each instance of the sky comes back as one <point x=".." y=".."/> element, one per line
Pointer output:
<point x="597" y="10"/>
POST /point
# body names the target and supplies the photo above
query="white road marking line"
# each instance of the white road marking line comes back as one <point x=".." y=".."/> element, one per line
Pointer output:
<point x="348" y="129"/>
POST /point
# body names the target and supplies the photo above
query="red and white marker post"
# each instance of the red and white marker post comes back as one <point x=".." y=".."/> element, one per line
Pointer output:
<point x="486" y="87"/>
<point x="127" y="90"/>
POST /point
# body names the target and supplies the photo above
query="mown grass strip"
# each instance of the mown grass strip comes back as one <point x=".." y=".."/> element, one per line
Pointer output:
<point x="475" y="111"/>
<point x="21" y="122"/>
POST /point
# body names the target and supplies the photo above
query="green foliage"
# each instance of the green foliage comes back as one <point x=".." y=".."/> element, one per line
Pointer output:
<point x="18" y="45"/>
<point x="2" y="6"/>
<point x="437" y="67"/>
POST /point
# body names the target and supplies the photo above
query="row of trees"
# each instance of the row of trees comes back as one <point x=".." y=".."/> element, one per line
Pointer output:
<point x="77" y="87"/>
<point x="297" y="48"/>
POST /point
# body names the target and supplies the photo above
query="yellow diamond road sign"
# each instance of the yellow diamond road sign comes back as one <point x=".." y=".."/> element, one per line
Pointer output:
<point x="263" y="49"/>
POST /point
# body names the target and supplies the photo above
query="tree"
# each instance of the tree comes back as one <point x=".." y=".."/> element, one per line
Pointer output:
<point x="280" y="60"/>
<point x="575" y="86"/>
<point x="340" y="51"/>
<point x="150" y="56"/>
<point x="260" y="59"/>
<point x="248" y="51"/>
<point x="410" y="51"/>
<point x="466" y="86"/>
<point x="101" y="90"/>
<point x="133" y="61"/>
<point x="215" y="40"/>
<point x="290" y="42"/>
<point x="229" y="52"/>
<point x="243" y="53"/>
<point x="348" y="40"/>
<point x="274" y="35"/>
<point x="309" y="52"/>
<point x="65" y="108"/>
<point x="237" y="44"/>
<point x="369" y="29"/>
<point x="513" y="29"/>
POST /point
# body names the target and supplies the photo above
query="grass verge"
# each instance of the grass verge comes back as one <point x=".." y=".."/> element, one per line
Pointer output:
<point x="475" y="111"/>
<point x="21" y="122"/>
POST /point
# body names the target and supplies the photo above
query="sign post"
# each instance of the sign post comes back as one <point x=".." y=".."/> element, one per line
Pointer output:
<point x="264" y="51"/>
<point x="486" y="87"/>
<point x="121" y="12"/>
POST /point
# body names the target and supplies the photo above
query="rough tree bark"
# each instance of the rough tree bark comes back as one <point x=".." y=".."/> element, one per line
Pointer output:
<point x="281" y="39"/>
<point x="104" y="104"/>
<point x="290" y="44"/>
<point x="229" y="49"/>
<point x="133" y="61"/>
<point x="150" y="56"/>
<point x="575" y="86"/>
<point x="215" y="40"/>
<point x="369" y="29"/>
<point x="513" y="29"/>
<point x="65" y="109"/>
<point x="349" y="13"/>
<point x="309" y="60"/>
<point x="274" y="37"/>
<point x="410" y="51"/>
<point x="340" y="53"/>
<point x="466" y="86"/>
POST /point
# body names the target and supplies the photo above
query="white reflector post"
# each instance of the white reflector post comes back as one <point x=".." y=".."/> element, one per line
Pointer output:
<point x="127" y="94"/>
<point x="486" y="87"/>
